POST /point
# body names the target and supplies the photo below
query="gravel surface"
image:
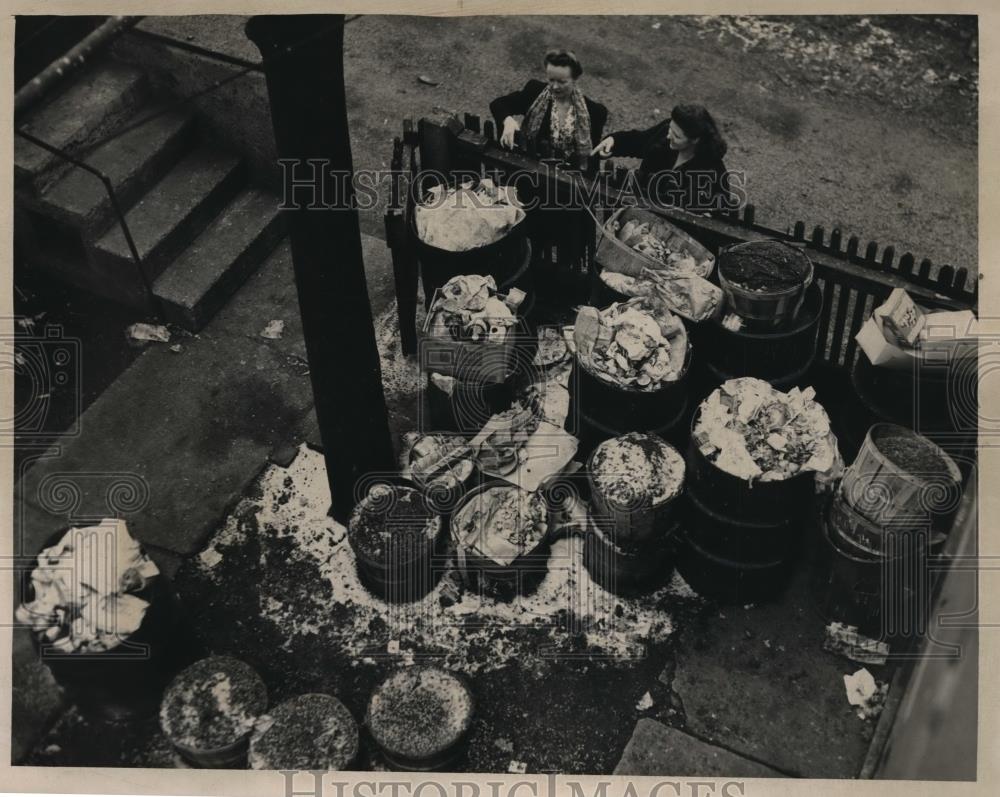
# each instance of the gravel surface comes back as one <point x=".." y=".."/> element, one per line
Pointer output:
<point x="868" y="124"/>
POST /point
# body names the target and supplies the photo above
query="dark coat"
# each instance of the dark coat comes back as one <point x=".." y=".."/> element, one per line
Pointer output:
<point x="519" y="102"/>
<point x="699" y="185"/>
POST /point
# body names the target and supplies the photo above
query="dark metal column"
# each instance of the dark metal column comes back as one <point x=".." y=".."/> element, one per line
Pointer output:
<point x="304" y="65"/>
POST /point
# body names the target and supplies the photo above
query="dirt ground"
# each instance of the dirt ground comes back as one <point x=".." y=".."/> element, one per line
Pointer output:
<point x="866" y="124"/>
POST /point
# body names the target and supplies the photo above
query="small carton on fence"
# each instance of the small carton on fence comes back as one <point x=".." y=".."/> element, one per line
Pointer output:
<point x="488" y="360"/>
<point x="899" y="333"/>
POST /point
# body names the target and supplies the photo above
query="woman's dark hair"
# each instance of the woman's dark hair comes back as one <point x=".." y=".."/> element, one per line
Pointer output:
<point x="697" y="122"/>
<point x="564" y="58"/>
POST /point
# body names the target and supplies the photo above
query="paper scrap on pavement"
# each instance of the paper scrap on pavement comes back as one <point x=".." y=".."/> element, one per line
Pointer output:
<point x="273" y="330"/>
<point x="844" y="640"/>
<point x="864" y="693"/>
<point x="153" y="332"/>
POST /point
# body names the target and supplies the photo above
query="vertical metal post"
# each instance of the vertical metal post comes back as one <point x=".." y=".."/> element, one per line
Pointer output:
<point x="304" y="66"/>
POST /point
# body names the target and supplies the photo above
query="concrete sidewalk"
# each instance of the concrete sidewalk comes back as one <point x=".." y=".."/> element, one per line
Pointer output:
<point x="175" y="440"/>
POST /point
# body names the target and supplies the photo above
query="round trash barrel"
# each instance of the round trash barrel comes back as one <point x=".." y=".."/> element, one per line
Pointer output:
<point x="781" y="356"/>
<point x="419" y="717"/>
<point x="938" y="398"/>
<point x="611" y="410"/>
<point x="856" y="534"/>
<point x="502" y="582"/>
<point x="628" y="516"/>
<point x="399" y="568"/>
<point x="311" y="731"/>
<point x="736" y="539"/>
<point x="503" y="259"/>
<point x="880" y="595"/>
<point x="625" y="569"/>
<point x="727" y="580"/>
<point x="741" y="540"/>
<point x="731" y="496"/>
<point x="207" y="732"/>
<point x="902" y="478"/>
<point x="764" y="281"/>
<point x="127" y="681"/>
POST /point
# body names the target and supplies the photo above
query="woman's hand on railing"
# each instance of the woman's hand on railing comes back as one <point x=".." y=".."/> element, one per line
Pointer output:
<point x="510" y="126"/>
<point x="603" y="150"/>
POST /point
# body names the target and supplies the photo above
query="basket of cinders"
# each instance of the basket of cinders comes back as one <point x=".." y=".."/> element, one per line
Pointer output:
<point x="764" y="282"/>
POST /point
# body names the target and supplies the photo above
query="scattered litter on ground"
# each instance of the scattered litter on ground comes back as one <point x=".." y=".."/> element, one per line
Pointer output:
<point x="473" y="633"/>
<point x="428" y="81"/>
<point x="176" y="348"/>
<point x="645" y="702"/>
<point x="504" y="745"/>
<point x="865" y="693"/>
<point x="274" y="329"/>
<point x="517" y="767"/>
<point x="147" y="332"/>
<point x="845" y="640"/>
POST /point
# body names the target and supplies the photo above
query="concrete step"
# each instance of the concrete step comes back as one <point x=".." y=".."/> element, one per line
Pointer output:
<point x="209" y="271"/>
<point x="171" y="214"/>
<point x="88" y="108"/>
<point x="132" y="162"/>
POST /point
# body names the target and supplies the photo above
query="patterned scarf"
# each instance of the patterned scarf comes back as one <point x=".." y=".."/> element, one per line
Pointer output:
<point x="535" y="117"/>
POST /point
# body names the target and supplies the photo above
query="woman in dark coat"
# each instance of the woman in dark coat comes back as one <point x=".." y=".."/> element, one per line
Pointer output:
<point x="554" y="111"/>
<point x="681" y="160"/>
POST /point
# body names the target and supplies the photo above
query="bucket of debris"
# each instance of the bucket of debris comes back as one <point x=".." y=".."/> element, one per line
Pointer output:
<point x="471" y="332"/>
<point x="502" y="540"/>
<point x="102" y="617"/>
<point x="419" y="717"/>
<point x="307" y="732"/>
<point x="395" y="533"/>
<point x="630" y="367"/>
<point x="901" y="477"/>
<point x="210" y="709"/>
<point x="467" y="226"/>
<point x="765" y="282"/>
<point x="634" y="480"/>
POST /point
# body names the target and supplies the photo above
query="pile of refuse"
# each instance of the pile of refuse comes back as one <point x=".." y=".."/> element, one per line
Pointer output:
<point x="84" y="589"/>
<point x="638" y="344"/>
<point x="469" y="216"/>
<point x="640" y="236"/>
<point x="467" y="308"/>
<point x="751" y="430"/>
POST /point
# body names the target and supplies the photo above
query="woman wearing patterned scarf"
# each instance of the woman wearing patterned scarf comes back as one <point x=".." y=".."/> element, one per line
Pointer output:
<point x="555" y="112"/>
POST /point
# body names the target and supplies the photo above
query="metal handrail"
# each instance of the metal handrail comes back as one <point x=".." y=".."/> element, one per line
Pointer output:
<point x="115" y="206"/>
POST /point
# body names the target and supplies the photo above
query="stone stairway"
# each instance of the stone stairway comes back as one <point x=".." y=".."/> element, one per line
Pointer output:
<point x="199" y="227"/>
